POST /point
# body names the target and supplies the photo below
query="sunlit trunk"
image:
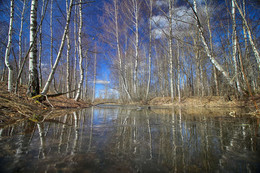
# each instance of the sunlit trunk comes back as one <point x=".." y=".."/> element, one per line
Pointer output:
<point x="257" y="56"/>
<point x="40" y="49"/>
<point x="170" y="49"/>
<point x="68" y="57"/>
<point x="33" y="86"/>
<point x="20" y="37"/>
<point x="206" y="47"/>
<point x="150" y="48"/>
<point x="234" y="46"/>
<point x="8" y="47"/>
<point x="80" y="84"/>
<point x="136" y="16"/>
<point x="94" y="77"/>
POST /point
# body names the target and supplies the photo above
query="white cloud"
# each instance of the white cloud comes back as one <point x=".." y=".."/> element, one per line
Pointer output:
<point x="102" y="82"/>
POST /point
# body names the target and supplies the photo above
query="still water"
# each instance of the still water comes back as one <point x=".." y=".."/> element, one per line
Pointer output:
<point x="126" y="139"/>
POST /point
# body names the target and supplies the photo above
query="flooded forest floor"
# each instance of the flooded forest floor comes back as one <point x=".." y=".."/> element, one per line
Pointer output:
<point x="15" y="107"/>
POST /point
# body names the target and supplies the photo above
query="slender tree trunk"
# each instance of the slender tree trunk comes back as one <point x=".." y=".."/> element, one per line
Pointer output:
<point x="51" y="30"/>
<point x="8" y="47"/>
<point x="79" y="91"/>
<point x="179" y="71"/>
<point x="211" y="49"/>
<point x="206" y="47"/>
<point x="150" y="48"/>
<point x="170" y="49"/>
<point x="94" y="77"/>
<point x="40" y="49"/>
<point x="136" y="16"/>
<point x="75" y="49"/>
<point x="68" y="57"/>
<point x="20" y="37"/>
<point x="234" y="46"/>
<point x="86" y="75"/>
<point x="257" y="56"/>
<point x="33" y="87"/>
<point x="47" y="85"/>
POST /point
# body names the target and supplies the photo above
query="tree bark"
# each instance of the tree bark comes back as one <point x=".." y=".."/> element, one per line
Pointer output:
<point x="94" y="77"/>
<point x="33" y="87"/>
<point x="170" y="49"/>
<point x="79" y="91"/>
<point x="68" y="57"/>
<point x="20" y="37"/>
<point x="150" y="48"/>
<point x="8" y="47"/>
<point x="234" y="46"/>
<point x="40" y="49"/>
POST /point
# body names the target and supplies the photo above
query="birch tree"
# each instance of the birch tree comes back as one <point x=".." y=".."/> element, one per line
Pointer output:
<point x="150" y="6"/>
<point x="40" y="47"/>
<point x="257" y="56"/>
<point x="8" y="47"/>
<point x="170" y="39"/>
<point x="33" y="87"/>
<point x="51" y="75"/>
<point x="94" y="76"/>
<point x="20" y="37"/>
<point x="206" y="47"/>
<point x="234" y="46"/>
<point x="80" y="84"/>
<point x="68" y="57"/>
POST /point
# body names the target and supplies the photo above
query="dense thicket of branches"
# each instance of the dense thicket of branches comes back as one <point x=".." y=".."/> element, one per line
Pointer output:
<point x="155" y="48"/>
<point x="196" y="48"/>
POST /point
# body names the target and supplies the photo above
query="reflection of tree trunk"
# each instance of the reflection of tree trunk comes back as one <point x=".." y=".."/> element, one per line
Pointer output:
<point x="91" y="128"/>
<point x="174" y="151"/>
<point x="62" y="133"/>
<point x="150" y="136"/>
<point x="74" y="148"/>
<point x="42" y="140"/>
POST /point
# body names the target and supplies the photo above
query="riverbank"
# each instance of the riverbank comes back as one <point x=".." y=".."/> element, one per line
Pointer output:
<point x="15" y="107"/>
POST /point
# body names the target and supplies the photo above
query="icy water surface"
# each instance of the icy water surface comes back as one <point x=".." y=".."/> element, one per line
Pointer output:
<point x="126" y="139"/>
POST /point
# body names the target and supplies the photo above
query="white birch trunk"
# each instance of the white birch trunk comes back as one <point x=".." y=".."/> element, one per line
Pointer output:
<point x="257" y="56"/>
<point x="234" y="46"/>
<point x="170" y="49"/>
<point x="80" y="84"/>
<point x="179" y="71"/>
<point x="8" y="47"/>
<point x="33" y="87"/>
<point x="150" y="48"/>
<point x="136" y="16"/>
<point x="51" y="30"/>
<point x="40" y="49"/>
<point x="47" y="85"/>
<point x="68" y="57"/>
<point x="20" y="38"/>
<point x="207" y="50"/>
<point x="86" y="74"/>
<point x="75" y="49"/>
<point x="94" y="77"/>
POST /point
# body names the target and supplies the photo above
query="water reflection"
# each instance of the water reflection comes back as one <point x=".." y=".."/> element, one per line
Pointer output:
<point x="123" y="139"/>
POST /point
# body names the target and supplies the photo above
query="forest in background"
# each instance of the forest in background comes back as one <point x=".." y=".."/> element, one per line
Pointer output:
<point x="155" y="48"/>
